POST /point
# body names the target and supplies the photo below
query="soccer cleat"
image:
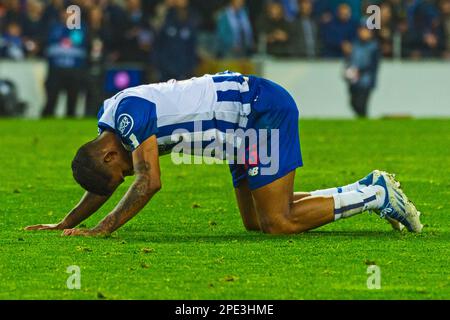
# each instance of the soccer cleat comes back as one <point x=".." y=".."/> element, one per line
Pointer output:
<point x="396" y="205"/>
<point x="370" y="180"/>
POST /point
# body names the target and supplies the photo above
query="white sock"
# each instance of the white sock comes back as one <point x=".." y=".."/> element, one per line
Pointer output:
<point x="347" y="204"/>
<point x="331" y="191"/>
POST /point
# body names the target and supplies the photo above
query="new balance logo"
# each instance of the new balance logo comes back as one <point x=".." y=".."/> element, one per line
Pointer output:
<point x="253" y="171"/>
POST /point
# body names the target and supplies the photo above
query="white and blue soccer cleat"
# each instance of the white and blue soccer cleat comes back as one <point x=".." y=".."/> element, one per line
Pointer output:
<point x="396" y="205"/>
<point x="369" y="180"/>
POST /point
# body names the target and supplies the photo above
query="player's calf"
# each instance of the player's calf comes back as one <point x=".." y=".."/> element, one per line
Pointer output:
<point x="300" y="216"/>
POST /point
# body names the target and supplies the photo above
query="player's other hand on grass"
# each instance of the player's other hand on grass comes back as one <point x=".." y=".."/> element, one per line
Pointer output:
<point x="82" y="232"/>
<point x="54" y="226"/>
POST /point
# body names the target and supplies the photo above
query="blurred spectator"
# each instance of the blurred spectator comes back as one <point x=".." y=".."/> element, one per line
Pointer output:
<point x="325" y="9"/>
<point x="167" y="36"/>
<point x="67" y="54"/>
<point x="290" y="9"/>
<point x="13" y="10"/>
<point x="420" y="14"/>
<point x="115" y="20"/>
<point x="176" y="55"/>
<point x="398" y="9"/>
<point x="51" y="14"/>
<point x="355" y="6"/>
<point x="305" y="31"/>
<point x="385" y="34"/>
<point x="100" y="39"/>
<point x="426" y="38"/>
<point x="444" y="6"/>
<point x="322" y="10"/>
<point x="234" y="31"/>
<point x="276" y="30"/>
<point x="138" y="34"/>
<point x="338" y="33"/>
<point x="3" y="13"/>
<point x="34" y="27"/>
<point x="161" y="11"/>
<point x="408" y="38"/>
<point x="255" y="9"/>
<point x="12" y="45"/>
<point x="225" y="26"/>
<point x="208" y="10"/>
<point x="100" y="36"/>
<point x="361" y="70"/>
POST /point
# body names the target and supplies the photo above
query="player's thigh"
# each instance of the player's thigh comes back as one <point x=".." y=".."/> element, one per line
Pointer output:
<point x="272" y="203"/>
<point x="246" y="208"/>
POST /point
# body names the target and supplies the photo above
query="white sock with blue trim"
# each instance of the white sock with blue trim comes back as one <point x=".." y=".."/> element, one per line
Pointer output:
<point x="347" y="204"/>
<point x="331" y="191"/>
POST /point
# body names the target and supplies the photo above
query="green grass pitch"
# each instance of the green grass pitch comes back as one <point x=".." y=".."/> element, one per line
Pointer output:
<point x="189" y="242"/>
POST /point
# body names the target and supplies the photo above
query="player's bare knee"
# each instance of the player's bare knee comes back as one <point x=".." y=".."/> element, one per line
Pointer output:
<point x="155" y="186"/>
<point x="158" y="187"/>
<point x="252" y="227"/>
<point x="279" y="229"/>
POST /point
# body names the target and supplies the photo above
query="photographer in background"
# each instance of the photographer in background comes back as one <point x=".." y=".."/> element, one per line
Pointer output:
<point x="361" y="70"/>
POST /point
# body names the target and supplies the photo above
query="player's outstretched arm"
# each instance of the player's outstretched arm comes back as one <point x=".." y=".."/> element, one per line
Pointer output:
<point x="146" y="184"/>
<point x="87" y="206"/>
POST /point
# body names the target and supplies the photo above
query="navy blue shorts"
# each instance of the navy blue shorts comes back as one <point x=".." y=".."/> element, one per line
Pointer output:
<point x="274" y="117"/>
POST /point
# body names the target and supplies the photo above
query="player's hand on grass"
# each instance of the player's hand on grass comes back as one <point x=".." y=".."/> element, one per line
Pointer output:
<point x="54" y="226"/>
<point x="83" y="232"/>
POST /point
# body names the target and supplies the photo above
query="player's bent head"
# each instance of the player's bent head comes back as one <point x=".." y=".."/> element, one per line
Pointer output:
<point x="92" y="168"/>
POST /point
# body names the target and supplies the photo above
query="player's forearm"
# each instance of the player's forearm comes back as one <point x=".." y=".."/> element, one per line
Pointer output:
<point x="87" y="206"/>
<point x="139" y="194"/>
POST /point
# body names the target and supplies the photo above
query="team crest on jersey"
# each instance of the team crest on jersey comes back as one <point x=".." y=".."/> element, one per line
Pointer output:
<point x="125" y="124"/>
<point x="253" y="171"/>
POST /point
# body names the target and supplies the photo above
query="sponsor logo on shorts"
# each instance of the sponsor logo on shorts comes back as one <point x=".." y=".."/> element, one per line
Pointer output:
<point x="253" y="171"/>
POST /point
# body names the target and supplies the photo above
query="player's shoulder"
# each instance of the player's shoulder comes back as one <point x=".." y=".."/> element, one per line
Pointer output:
<point x="135" y="108"/>
<point x="135" y="120"/>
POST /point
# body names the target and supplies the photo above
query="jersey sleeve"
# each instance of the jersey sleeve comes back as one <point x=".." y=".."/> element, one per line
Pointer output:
<point x="102" y="126"/>
<point x="135" y="121"/>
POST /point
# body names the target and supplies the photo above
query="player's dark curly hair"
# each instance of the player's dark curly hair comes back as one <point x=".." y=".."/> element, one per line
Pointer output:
<point x="89" y="173"/>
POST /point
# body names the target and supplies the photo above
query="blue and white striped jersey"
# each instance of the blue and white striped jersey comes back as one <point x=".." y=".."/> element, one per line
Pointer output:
<point x="216" y="102"/>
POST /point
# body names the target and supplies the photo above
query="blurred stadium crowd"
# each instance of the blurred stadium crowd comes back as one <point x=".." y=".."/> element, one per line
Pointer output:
<point x="155" y="30"/>
<point x="172" y="37"/>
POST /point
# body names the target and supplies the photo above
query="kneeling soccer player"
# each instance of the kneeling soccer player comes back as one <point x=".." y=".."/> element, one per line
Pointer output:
<point x="141" y="123"/>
